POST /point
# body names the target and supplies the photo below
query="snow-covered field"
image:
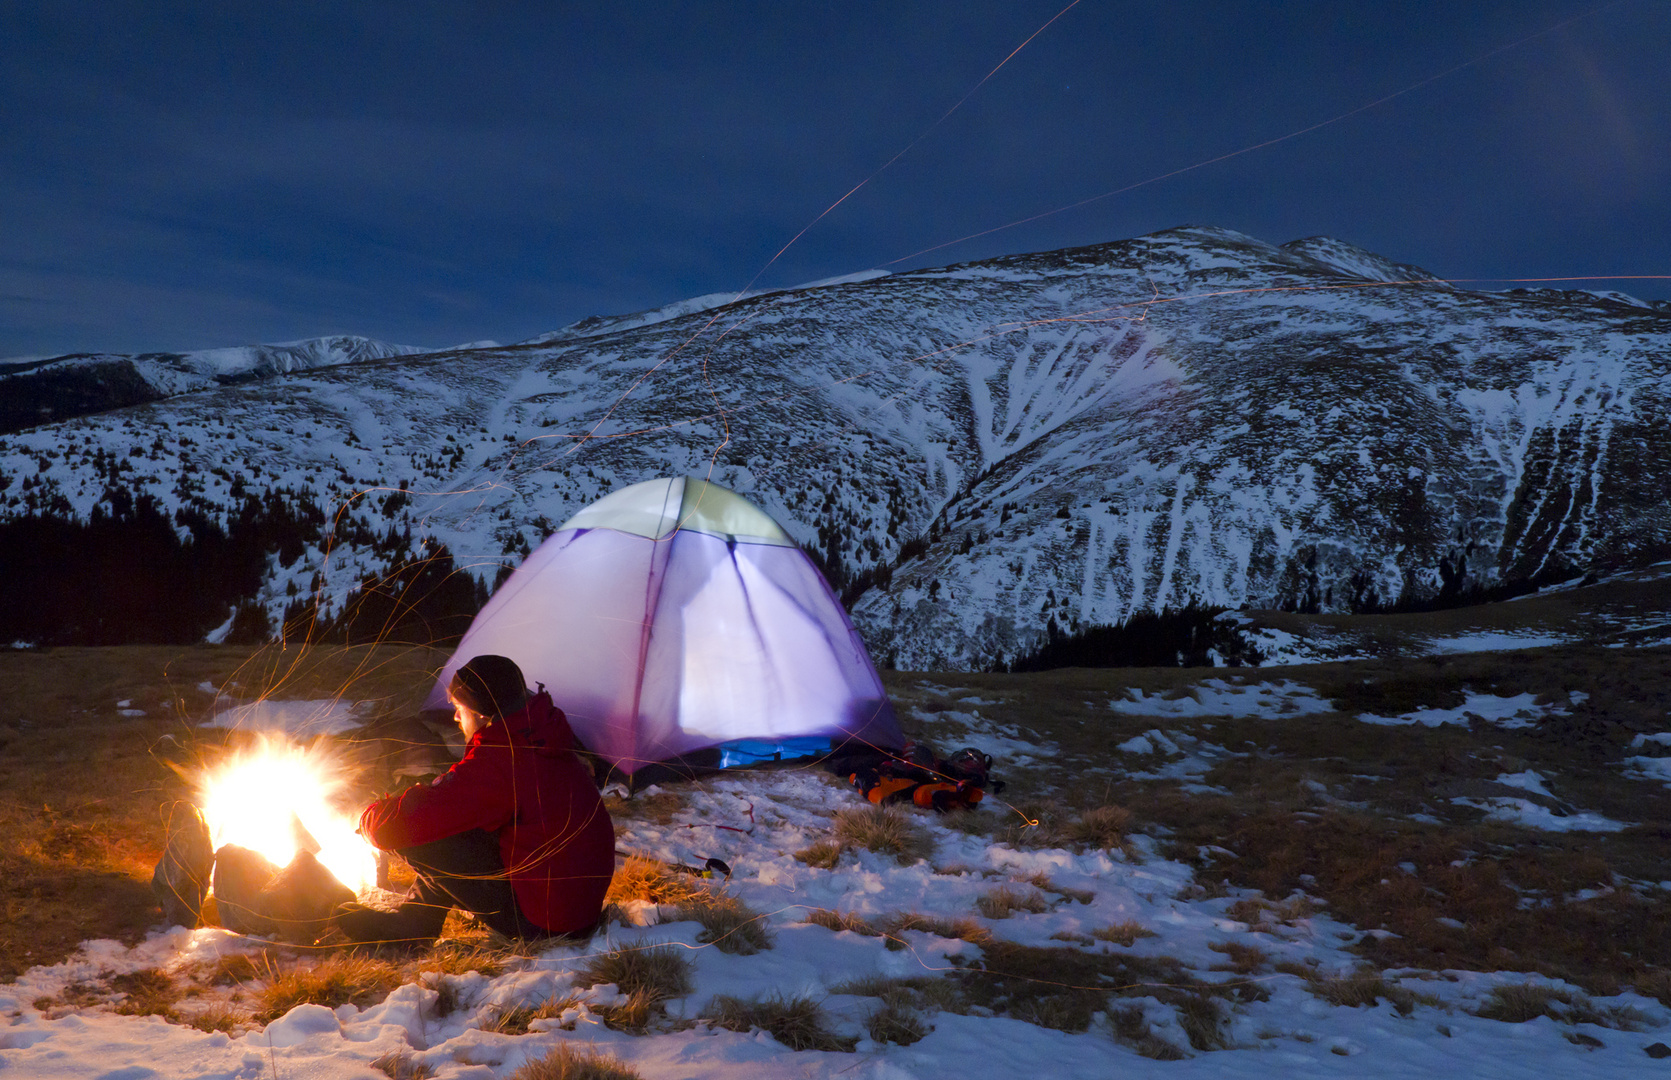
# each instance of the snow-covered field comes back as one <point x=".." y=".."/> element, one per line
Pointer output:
<point x="1274" y="1020"/>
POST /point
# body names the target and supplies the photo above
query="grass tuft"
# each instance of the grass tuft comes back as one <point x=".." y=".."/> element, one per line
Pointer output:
<point x="400" y="1066"/>
<point x="796" y="1022"/>
<point x="1006" y="900"/>
<point x="1123" y="933"/>
<point x="642" y="878"/>
<point x="1131" y="1028"/>
<point x="1366" y="988"/>
<point x="1103" y="828"/>
<point x="516" y="1019"/>
<point x="1244" y="959"/>
<point x="148" y="992"/>
<point x="960" y="926"/>
<point x="649" y="977"/>
<point x="885" y="830"/>
<point x="460" y="958"/>
<point x="897" y="1021"/>
<point x="215" y="1018"/>
<point x="824" y="855"/>
<point x="567" y="1063"/>
<point x="1202" y="1018"/>
<point x="1520" y="1002"/>
<point x="728" y="924"/>
<point x="348" y="978"/>
<point x="841" y="920"/>
<point x="1043" y="882"/>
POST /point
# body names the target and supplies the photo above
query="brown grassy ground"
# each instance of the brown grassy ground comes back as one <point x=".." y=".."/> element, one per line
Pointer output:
<point x="84" y="791"/>
<point x="1341" y="810"/>
<point x="1323" y="804"/>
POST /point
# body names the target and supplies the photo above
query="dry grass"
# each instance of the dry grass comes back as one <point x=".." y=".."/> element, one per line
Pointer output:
<point x="796" y="1022"/>
<point x="649" y="977"/>
<point x="568" y="1063"/>
<point x="728" y="924"/>
<point x="886" y="830"/>
<point x="840" y="921"/>
<point x="516" y="1019"/>
<point x="1131" y="1028"/>
<point x="449" y="957"/>
<point x="225" y="1018"/>
<point x="347" y="978"/>
<point x="824" y="855"/>
<point x="1367" y="988"/>
<point x="1006" y="900"/>
<point x="1103" y="828"/>
<point x="647" y="879"/>
<point x="1520" y="1002"/>
<point x="1258" y="912"/>
<point x="1203" y="1019"/>
<point x="1044" y="883"/>
<point x="897" y="1021"/>
<point x="148" y="992"/>
<point x="955" y="926"/>
<point x="922" y="991"/>
<point x="1244" y="959"/>
<point x="400" y="1066"/>
<point x="1123" y="933"/>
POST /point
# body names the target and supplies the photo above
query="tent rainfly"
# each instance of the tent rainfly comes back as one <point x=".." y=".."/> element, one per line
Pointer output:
<point x="678" y="625"/>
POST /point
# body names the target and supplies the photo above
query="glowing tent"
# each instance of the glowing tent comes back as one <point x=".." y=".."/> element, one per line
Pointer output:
<point x="676" y="623"/>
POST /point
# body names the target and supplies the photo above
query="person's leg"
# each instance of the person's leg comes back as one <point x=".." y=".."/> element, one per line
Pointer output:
<point x="462" y="871"/>
<point x="466" y="872"/>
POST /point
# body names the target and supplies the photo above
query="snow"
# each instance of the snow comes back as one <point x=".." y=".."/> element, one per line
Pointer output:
<point x="297" y="719"/>
<point x="1293" y="1034"/>
<point x="1216" y="697"/>
<point x="1518" y="711"/>
<point x="1534" y="815"/>
<point x="1494" y="641"/>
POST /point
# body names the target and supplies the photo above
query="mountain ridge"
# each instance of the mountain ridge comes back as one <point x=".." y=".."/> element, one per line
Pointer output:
<point x="977" y="451"/>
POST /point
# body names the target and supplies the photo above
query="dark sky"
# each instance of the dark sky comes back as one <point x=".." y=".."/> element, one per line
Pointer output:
<point x="179" y="176"/>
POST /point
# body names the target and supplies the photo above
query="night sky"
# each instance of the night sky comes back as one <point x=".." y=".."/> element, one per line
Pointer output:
<point x="181" y="176"/>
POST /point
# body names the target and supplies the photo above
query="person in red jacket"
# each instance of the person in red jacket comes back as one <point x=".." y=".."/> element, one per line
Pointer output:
<point x="514" y="833"/>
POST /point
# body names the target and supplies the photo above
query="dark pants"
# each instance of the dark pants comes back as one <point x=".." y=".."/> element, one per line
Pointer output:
<point x="463" y="872"/>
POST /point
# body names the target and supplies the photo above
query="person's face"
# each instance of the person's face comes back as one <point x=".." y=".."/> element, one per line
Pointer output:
<point x="468" y="719"/>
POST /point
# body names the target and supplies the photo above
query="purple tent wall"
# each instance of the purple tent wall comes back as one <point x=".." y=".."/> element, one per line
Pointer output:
<point x="658" y="648"/>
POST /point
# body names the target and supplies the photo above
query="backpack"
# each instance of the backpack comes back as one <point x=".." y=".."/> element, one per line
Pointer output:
<point x="917" y="775"/>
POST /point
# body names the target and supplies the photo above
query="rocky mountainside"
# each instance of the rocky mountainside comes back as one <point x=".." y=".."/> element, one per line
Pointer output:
<point x="45" y="390"/>
<point x="973" y="452"/>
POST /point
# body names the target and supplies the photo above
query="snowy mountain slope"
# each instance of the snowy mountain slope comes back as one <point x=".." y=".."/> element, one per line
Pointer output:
<point x="47" y="389"/>
<point x="977" y="450"/>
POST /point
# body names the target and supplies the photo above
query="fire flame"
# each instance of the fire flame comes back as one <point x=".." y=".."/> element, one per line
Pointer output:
<point x="277" y="798"/>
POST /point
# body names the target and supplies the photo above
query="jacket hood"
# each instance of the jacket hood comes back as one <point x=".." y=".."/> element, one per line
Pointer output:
<point x="539" y="726"/>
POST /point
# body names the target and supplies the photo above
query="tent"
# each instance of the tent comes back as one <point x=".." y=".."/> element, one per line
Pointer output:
<point x="680" y="627"/>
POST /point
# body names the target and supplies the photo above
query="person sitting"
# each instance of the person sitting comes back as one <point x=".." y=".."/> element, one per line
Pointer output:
<point x="515" y="833"/>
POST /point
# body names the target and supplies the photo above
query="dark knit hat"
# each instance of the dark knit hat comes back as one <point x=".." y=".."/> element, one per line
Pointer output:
<point x="491" y="685"/>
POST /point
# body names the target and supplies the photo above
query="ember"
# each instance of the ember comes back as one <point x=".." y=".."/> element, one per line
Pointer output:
<point x="277" y="799"/>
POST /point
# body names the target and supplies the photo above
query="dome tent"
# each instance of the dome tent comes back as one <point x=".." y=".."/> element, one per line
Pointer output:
<point x="679" y="626"/>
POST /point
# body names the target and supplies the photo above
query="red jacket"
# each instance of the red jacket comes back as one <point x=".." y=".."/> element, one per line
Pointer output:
<point x="521" y="780"/>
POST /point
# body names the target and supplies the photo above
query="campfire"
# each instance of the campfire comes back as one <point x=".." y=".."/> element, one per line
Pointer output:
<point x="273" y="831"/>
<point x="277" y="798"/>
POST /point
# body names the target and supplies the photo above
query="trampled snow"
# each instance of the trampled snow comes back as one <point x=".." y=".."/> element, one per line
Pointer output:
<point x="1293" y="1034"/>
